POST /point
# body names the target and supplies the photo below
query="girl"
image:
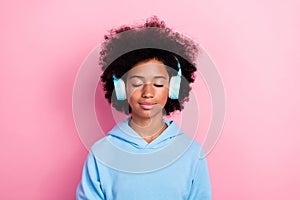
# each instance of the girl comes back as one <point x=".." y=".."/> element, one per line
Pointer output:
<point x="146" y="157"/>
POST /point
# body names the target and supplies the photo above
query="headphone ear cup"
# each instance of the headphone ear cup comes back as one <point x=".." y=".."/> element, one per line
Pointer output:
<point x="174" y="87"/>
<point x="120" y="89"/>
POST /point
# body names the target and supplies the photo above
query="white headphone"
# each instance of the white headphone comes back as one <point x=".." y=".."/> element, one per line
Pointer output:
<point x="174" y="86"/>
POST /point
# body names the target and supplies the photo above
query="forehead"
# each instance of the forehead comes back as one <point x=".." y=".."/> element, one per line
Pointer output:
<point x="149" y="68"/>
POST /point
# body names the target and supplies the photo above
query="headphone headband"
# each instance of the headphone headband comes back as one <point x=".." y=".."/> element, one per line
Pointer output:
<point x="179" y="66"/>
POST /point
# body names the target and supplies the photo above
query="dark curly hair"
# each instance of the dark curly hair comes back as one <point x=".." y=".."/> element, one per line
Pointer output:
<point x="128" y="45"/>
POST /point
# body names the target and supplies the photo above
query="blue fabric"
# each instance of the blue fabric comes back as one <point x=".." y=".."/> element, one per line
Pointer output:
<point x="173" y="176"/>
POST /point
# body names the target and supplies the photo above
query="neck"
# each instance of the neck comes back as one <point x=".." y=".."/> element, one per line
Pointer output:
<point x="149" y="128"/>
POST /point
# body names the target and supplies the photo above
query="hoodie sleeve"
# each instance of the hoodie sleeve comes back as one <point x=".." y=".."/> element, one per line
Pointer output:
<point x="201" y="188"/>
<point x="90" y="187"/>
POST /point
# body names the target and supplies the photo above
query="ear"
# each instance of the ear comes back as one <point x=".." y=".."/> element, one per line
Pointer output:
<point x="175" y="82"/>
<point x="174" y="87"/>
<point x="120" y="89"/>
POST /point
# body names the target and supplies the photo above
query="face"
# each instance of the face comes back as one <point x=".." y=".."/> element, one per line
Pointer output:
<point x="147" y="89"/>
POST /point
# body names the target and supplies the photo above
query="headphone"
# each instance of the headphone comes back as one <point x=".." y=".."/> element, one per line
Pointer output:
<point x="174" y="85"/>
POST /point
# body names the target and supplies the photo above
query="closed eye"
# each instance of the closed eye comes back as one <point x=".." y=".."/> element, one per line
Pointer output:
<point x="136" y="85"/>
<point x="158" y="85"/>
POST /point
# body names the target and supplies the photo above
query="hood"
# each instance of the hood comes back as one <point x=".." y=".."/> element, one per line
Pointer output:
<point x="125" y="137"/>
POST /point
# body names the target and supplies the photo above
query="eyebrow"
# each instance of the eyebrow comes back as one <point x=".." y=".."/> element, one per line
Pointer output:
<point x="142" y="77"/>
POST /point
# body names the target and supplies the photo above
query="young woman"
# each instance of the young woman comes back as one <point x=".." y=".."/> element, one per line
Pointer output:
<point x="146" y="157"/>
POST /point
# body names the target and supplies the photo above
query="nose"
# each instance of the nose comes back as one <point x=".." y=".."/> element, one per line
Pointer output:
<point x="148" y="91"/>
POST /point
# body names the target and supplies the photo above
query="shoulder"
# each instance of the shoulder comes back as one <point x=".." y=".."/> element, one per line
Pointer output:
<point x="193" y="147"/>
<point x="100" y="145"/>
<point x="105" y="141"/>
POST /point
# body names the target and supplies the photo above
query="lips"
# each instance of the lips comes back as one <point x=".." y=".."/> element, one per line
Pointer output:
<point x="147" y="105"/>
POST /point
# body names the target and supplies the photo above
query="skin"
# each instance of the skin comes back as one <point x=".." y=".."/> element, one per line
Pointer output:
<point x="147" y="88"/>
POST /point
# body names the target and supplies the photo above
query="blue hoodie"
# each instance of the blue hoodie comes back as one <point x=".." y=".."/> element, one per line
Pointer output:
<point x="123" y="166"/>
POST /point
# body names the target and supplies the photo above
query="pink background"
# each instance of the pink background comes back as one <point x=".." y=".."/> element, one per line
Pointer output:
<point x="255" y="45"/>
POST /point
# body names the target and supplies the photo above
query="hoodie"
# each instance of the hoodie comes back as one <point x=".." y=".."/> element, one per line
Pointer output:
<point x="123" y="166"/>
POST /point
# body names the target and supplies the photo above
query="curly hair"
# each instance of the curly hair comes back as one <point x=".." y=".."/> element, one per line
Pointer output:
<point x="126" y="46"/>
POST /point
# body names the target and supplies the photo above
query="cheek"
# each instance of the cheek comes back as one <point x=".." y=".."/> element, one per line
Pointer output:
<point x="163" y="95"/>
<point x="132" y="96"/>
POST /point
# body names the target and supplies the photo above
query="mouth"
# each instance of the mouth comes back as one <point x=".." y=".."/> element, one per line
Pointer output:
<point x="147" y="106"/>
